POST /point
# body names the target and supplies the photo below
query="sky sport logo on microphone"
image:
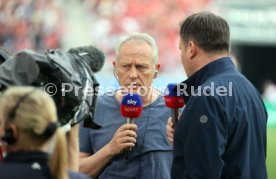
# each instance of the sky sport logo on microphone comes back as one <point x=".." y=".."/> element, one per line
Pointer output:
<point x="131" y="106"/>
<point x="131" y="109"/>
<point x="174" y="101"/>
<point x="131" y="102"/>
<point x="172" y="98"/>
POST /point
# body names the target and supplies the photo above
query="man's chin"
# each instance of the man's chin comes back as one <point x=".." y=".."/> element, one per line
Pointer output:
<point x="133" y="90"/>
<point x="140" y="91"/>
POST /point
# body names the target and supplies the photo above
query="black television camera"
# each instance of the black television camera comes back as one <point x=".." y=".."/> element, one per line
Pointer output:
<point x="58" y="70"/>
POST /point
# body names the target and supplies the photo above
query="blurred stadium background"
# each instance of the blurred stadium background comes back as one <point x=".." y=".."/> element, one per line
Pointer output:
<point x="46" y="24"/>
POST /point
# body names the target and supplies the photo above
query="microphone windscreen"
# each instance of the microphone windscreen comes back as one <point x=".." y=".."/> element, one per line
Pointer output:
<point x="131" y="106"/>
<point x="172" y="98"/>
<point x="91" y="55"/>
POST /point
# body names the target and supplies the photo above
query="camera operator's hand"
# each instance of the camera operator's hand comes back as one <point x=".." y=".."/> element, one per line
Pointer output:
<point x="124" y="138"/>
<point x="170" y="130"/>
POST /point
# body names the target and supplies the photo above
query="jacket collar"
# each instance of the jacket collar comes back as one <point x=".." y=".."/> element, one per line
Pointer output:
<point x="26" y="156"/>
<point x="198" y="78"/>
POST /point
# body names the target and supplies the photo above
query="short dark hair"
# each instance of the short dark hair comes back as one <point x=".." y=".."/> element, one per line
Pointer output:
<point x="209" y="31"/>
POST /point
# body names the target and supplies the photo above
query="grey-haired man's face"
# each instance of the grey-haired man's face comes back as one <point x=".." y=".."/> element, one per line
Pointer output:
<point x="135" y="66"/>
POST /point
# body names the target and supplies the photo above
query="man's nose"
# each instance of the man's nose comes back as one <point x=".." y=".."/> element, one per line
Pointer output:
<point x="133" y="73"/>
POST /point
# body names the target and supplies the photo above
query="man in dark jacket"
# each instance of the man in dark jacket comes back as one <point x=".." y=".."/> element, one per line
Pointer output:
<point x="222" y="130"/>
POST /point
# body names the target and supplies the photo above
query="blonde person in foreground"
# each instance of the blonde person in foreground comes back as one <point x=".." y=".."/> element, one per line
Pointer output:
<point x="36" y="146"/>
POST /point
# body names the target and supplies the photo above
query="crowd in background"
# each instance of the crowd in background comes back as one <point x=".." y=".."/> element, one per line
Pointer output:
<point x="45" y="24"/>
<point x="158" y="18"/>
<point x="41" y="24"/>
<point x="34" y="24"/>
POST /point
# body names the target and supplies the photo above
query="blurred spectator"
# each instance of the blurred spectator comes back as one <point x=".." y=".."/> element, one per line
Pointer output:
<point x="35" y="24"/>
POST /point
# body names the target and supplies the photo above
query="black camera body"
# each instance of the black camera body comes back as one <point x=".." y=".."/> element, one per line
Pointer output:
<point x="54" y="69"/>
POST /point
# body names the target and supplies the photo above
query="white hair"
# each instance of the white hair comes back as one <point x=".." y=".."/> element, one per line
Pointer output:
<point x="138" y="37"/>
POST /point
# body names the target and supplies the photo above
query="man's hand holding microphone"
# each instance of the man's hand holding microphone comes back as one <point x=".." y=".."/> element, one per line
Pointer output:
<point x="125" y="136"/>
<point x="174" y="101"/>
<point x="123" y="139"/>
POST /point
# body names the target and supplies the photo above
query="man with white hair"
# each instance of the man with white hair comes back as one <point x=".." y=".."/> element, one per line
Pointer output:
<point x="104" y="151"/>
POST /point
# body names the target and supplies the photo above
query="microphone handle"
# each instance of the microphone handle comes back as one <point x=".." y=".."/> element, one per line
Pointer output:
<point x="130" y="120"/>
<point x="174" y="114"/>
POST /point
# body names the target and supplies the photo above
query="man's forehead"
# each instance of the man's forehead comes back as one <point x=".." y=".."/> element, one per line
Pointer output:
<point x="135" y="61"/>
<point x="140" y="48"/>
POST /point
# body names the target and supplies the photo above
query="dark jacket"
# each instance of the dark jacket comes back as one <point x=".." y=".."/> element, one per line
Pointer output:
<point x="222" y="132"/>
<point x="29" y="165"/>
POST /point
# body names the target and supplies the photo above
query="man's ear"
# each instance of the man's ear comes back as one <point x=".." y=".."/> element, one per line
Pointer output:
<point x="114" y="64"/>
<point x="157" y="68"/>
<point x="192" y="49"/>
<point x="114" y="68"/>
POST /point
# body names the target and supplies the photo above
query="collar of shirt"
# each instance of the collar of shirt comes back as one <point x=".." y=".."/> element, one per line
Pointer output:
<point x="27" y="156"/>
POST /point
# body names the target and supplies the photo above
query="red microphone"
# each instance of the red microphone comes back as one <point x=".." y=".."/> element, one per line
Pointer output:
<point x="173" y="101"/>
<point x="131" y="107"/>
